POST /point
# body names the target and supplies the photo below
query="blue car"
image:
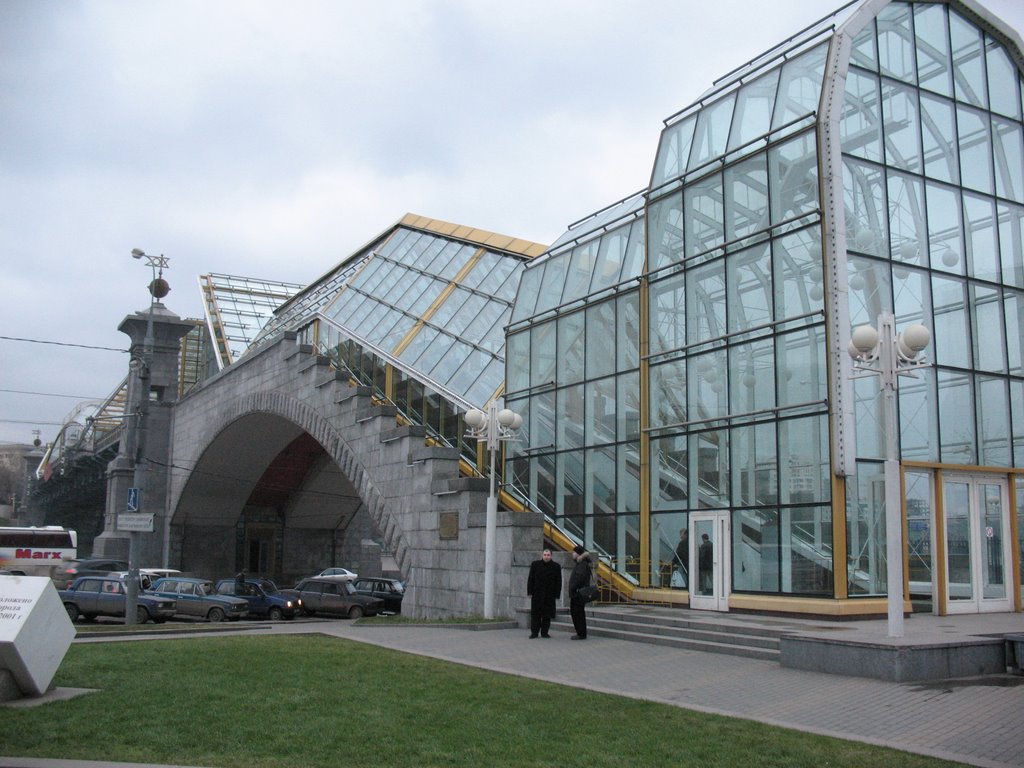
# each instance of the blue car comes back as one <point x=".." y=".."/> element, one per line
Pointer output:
<point x="92" y="596"/>
<point x="196" y="598"/>
<point x="263" y="596"/>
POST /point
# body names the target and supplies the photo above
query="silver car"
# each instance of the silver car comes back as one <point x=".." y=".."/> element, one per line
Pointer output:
<point x="197" y="598"/>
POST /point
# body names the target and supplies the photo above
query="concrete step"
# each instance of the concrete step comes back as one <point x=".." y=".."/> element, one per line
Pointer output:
<point x="677" y="632"/>
<point x="708" y="633"/>
<point x="682" y="621"/>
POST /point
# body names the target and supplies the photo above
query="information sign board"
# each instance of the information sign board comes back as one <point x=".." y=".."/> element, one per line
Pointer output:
<point x="140" y="522"/>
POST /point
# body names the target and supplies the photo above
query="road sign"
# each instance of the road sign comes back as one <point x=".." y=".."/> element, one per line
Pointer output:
<point x="133" y="499"/>
<point x="141" y="522"/>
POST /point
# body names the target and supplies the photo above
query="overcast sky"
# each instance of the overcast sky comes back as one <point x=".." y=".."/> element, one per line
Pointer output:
<point x="272" y="139"/>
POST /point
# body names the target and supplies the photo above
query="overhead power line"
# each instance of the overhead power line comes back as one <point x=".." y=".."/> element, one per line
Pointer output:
<point x="49" y="394"/>
<point x="63" y="344"/>
<point x="35" y="423"/>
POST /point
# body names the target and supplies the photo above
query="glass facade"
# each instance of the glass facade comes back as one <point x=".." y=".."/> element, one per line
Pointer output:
<point x="932" y="163"/>
<point x="704" y="379"/>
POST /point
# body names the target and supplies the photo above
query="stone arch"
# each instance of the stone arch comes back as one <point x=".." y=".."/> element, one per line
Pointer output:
<point x="232" y="450"/>
<point x="411" y="494"/>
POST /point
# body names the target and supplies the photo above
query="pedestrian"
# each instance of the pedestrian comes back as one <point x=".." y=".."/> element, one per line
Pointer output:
<point x="579" y="578"/>
<point x="682" y="559"/>
<point x="544" y="586"/>
<point x="705" y="561"/>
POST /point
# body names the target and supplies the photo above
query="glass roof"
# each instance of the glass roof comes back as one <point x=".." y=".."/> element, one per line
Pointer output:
<point x="775" y="94"/>
<point x="431" y="298"/>
<point x="776" y="102"/>
<point x="237" y="308"/>
<point x="596" y="254"/>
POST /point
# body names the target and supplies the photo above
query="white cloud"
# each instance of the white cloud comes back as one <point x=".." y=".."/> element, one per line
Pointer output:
<point x="271" y="139"/>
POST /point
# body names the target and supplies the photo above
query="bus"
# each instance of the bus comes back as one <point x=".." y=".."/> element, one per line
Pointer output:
<point x="35" y="551"/>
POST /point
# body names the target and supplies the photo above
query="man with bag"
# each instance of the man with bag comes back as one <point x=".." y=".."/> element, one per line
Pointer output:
<point x="579" y="578"/>
<point x="544" y="585"/>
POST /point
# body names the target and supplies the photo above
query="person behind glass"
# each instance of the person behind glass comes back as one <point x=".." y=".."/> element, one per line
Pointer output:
<point x="705" y="561"/>
<point x="683" y="557"/>
<point x="544" y="586"/>
<point x="579" y="578"/>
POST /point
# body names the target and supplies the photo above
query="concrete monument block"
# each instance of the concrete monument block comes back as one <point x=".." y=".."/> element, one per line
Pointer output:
<point x="35" y="631"/>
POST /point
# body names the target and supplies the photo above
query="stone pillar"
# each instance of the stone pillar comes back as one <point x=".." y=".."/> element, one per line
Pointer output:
<point x="168" y="329"/>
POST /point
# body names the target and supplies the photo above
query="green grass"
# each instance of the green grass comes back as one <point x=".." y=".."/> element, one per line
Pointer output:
<point x="309" y="700"/>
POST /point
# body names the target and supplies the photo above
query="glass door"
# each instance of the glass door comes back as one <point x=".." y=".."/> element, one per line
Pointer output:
<point x="921" y="540"/>
<point x="977" y="543"/>
<point x="709" y="561"/>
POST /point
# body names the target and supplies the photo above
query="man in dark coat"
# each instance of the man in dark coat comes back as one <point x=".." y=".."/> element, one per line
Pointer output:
<point x="705" y="562"/>
<point x="683" y="558"/>
<point x="544" y="586"/>
<point x="579" y="578"/>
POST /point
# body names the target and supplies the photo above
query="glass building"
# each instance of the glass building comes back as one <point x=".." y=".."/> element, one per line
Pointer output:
<point x="680" y="358"/>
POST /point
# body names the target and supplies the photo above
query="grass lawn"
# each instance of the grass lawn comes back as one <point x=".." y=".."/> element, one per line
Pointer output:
<point x="310" y="700"/>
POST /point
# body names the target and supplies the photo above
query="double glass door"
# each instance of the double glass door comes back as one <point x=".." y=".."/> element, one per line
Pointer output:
<point x="977" y="544"/>
<point x="709" y="561"/>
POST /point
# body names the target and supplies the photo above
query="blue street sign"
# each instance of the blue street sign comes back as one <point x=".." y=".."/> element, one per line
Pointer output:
<point x="133" y="499"/>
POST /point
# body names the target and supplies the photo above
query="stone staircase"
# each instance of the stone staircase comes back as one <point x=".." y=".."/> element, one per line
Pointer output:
<point x="681" y="628"/>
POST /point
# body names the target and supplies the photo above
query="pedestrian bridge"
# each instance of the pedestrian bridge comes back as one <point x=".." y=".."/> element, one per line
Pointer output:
<point x="281" y="460"/>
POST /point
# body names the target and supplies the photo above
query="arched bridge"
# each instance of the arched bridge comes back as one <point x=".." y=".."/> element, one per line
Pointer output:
<point x="279" y="465"/>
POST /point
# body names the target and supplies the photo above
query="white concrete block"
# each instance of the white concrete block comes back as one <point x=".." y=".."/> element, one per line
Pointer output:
<point x="35" y="631"/>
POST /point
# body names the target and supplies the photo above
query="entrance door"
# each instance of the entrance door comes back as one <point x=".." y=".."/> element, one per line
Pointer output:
<point x="976" y="532"/>
<point x="709" y="561"/>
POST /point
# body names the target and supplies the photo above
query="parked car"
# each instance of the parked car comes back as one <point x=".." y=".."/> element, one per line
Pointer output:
<point x="159" y="573"/>
<point x="65" y="573"/>
<point x="145" y="580"/>
<point x="197" y="598"/>
<point x="11" y="572"/>
<point x="92" y="596"/>
<point x="263" y="597"/>
<point x="391" y="591"/>
<point x="332" y="596"/>
<point x="337" y="573"/>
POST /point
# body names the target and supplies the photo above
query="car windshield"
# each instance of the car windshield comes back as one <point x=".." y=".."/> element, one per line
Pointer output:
<point x="269" y="587"/>
<point x="347" y="588"/>
<point x="206" y="588"/>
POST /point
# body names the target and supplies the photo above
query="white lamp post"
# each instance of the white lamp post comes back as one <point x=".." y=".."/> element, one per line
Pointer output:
<point x="158" y="288"/>
<point x="496" y="425"/>
<point x="889" y="355"/>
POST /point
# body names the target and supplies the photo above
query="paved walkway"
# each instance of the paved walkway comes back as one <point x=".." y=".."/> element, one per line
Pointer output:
<point x="979" y="722"/>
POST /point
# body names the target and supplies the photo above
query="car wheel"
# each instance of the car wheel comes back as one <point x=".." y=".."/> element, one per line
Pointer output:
<point x="276" y="614"/>
<point x="355" y="613"/>
<point x="141" y="615"/>
<point x="215" y="614"/>
<point x="72" y="610"/>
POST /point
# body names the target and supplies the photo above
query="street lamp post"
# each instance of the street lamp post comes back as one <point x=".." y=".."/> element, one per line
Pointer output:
<point x="889" y="355"/>
<point x="495" y="426"/>
<point x="158" y="288"/>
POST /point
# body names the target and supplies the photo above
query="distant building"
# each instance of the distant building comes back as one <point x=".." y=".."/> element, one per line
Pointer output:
<point x="18" y="462"/>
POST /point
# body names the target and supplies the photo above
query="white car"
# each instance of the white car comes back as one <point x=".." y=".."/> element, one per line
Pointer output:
<point x="148" y="576"/>
<point x="158" y="573"/>
<point x="341" y="574"/>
